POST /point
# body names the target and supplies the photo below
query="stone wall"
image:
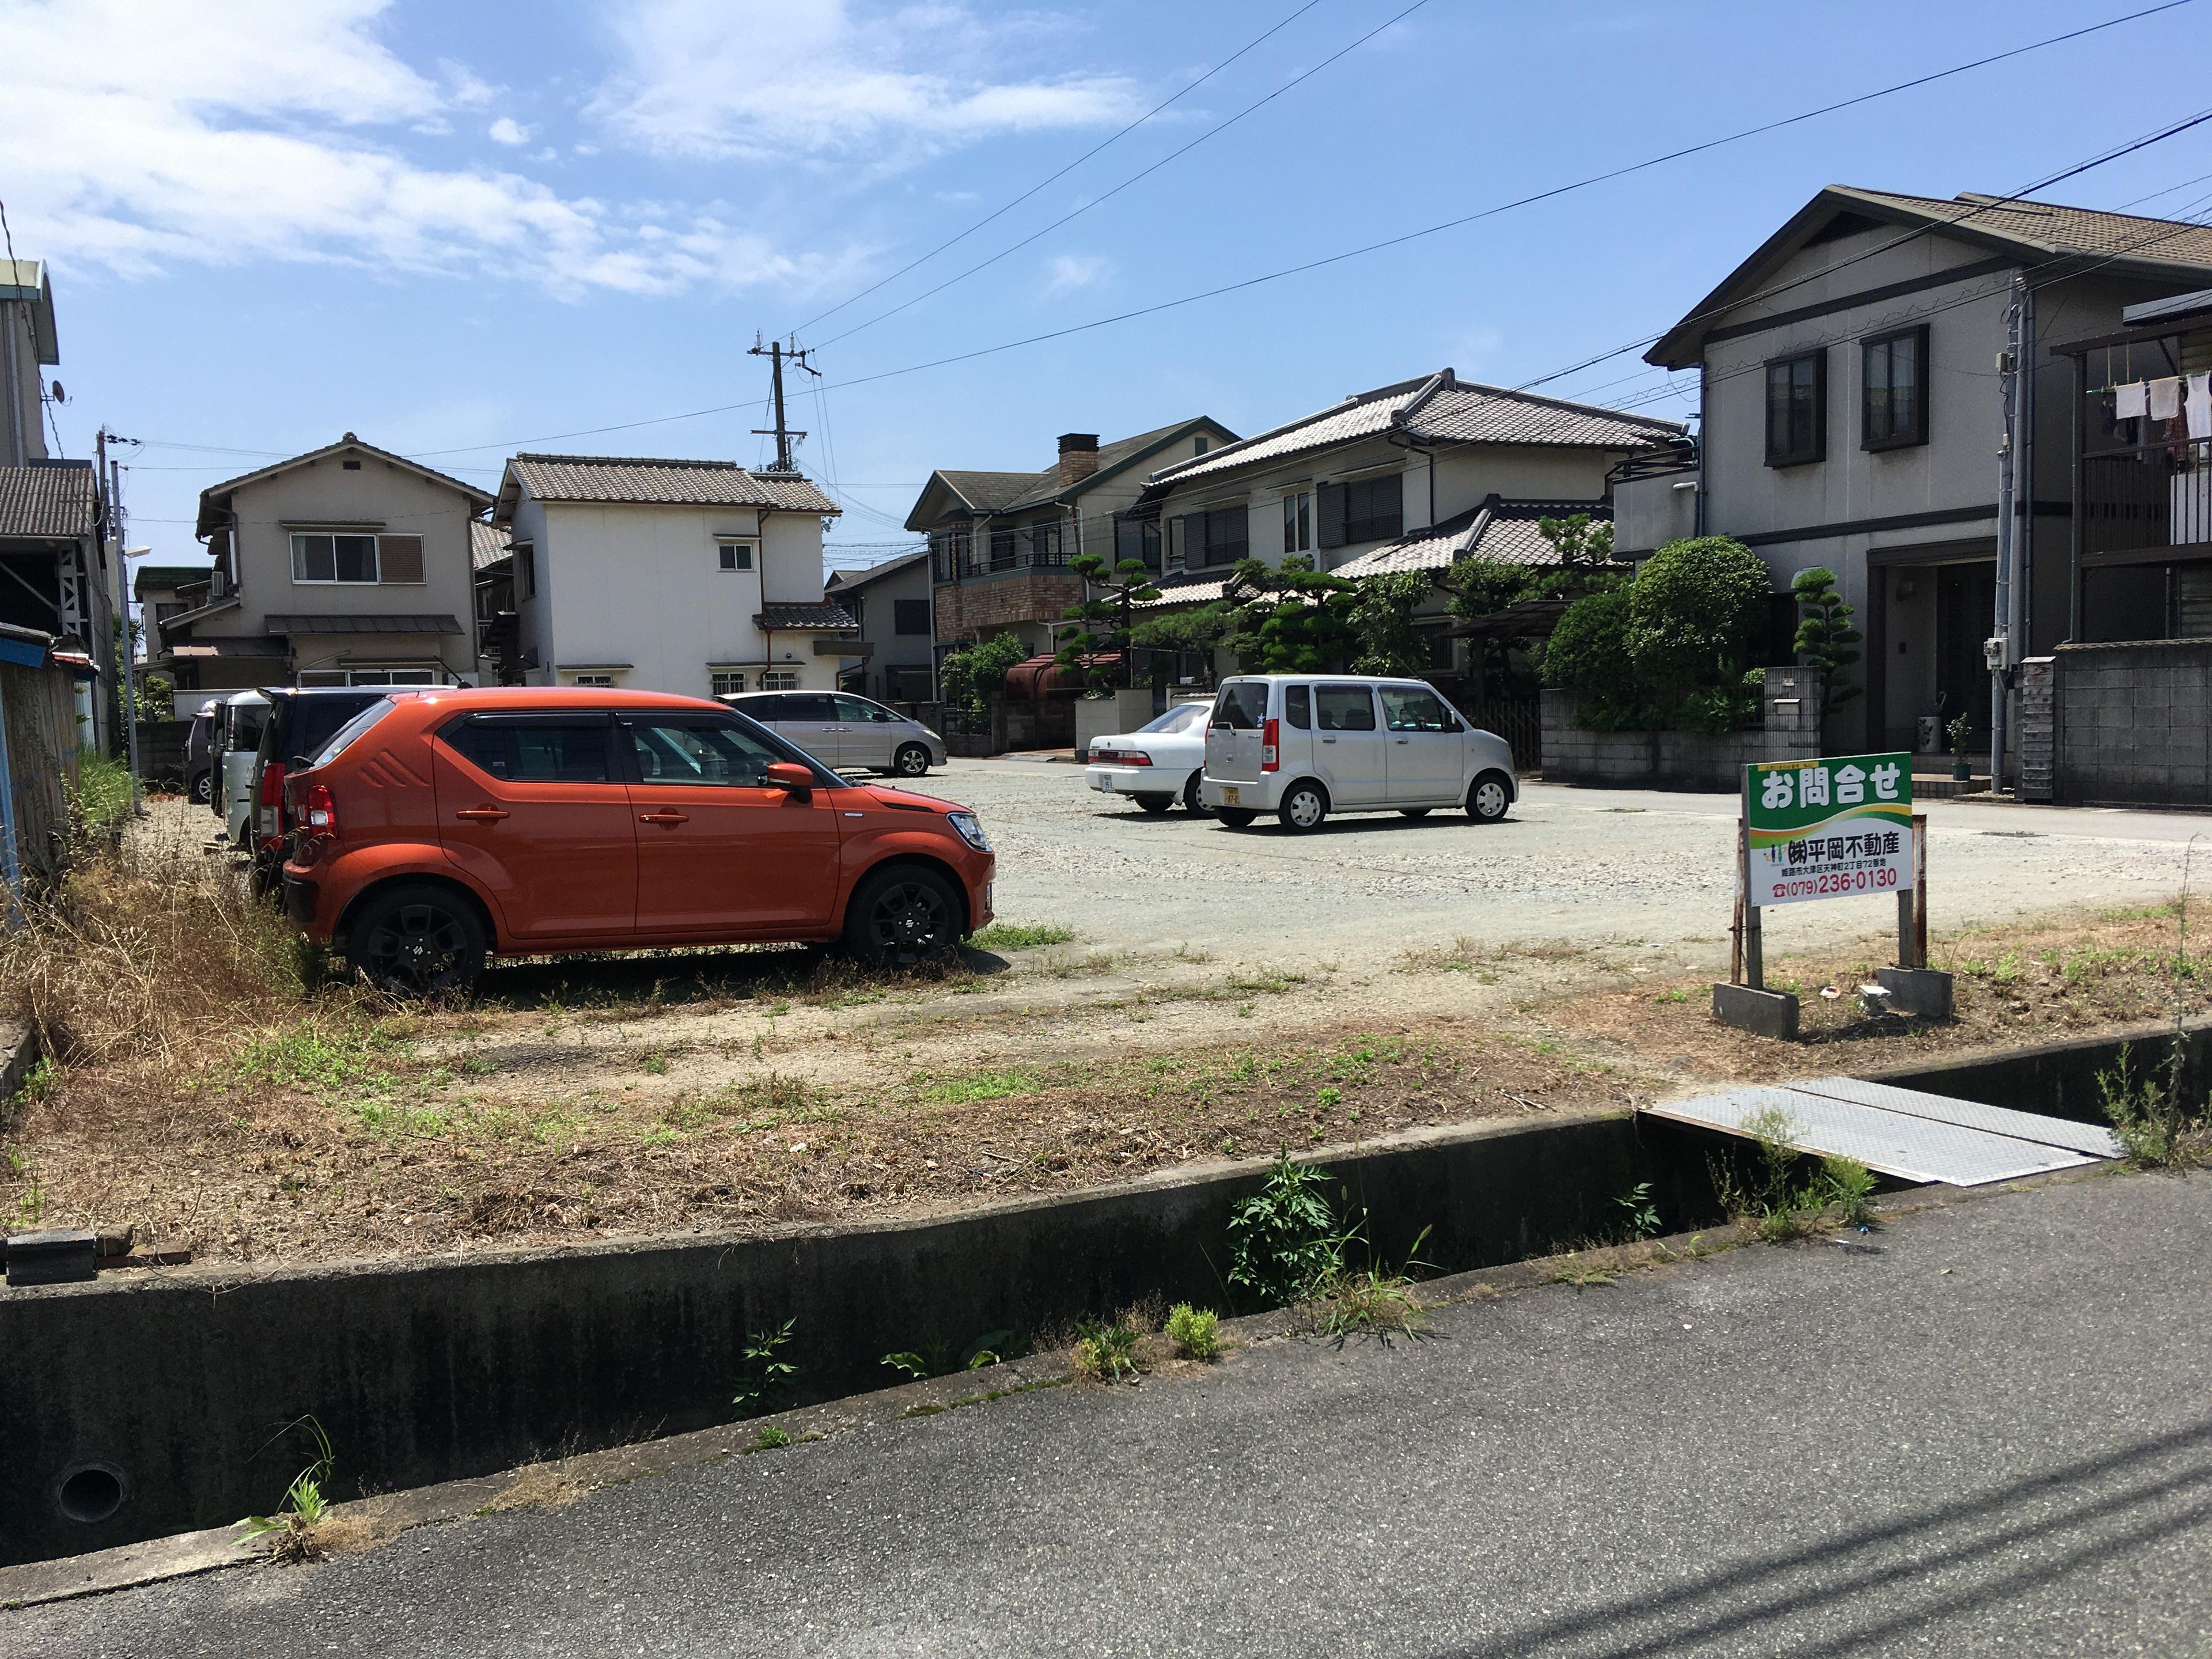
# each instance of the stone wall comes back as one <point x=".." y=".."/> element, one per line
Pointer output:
<point x="2126" y="724"/>
<point x="1685" y="760"/>
<point x="982" y="604"/>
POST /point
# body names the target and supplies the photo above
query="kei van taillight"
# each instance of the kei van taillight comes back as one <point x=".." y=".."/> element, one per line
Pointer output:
<point x="1271" y="750"/>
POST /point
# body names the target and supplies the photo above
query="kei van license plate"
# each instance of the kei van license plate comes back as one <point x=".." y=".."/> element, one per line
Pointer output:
<point x="1229" y="796"/>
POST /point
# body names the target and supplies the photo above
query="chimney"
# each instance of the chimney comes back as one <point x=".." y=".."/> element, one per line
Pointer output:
<point x="1078" y="456"/>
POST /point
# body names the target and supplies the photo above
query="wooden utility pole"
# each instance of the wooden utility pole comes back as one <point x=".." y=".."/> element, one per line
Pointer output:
<point x="776" y="355"/>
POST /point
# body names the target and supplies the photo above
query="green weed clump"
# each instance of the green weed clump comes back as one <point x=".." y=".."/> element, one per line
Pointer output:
<point x="766" y="1381"/>
<point x="1106" y="1352"/>
<point x="291" y="1529"/>
<point x="2149" y="1114"/>
<point x="1285" y="1237"/>
<point x="1019" y="936"/>
<point x="1194" y="1331"/>
<point x="1769" y="1199"/>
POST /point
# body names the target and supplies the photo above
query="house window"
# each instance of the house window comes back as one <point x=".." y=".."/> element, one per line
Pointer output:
<point x="1200" y="444"/>
<point x="1137" y="538"/>
<point x="1221" y="536"/>
<point x="336" y="558"/>
<point x="726" y="683"/>
<point x="735" y="555"/>
<point x="910" y="617"/>
<point x="525" y="570"/>
<point x="1044" y="542"/>
<point x="1364" y="510"/>
<point x="1797" y="409"/>
<point x="1297" y="522"/>
<point x="779" y="679"/>
<point x="1895" y="413"/>
<point x="592" y="679"/>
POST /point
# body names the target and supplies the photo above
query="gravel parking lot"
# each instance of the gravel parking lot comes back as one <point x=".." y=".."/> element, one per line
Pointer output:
<point x="1582" y="865"/>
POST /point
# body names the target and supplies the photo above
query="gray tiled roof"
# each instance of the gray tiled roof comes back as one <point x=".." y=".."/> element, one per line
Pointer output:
<point x="379" y="623"/>
<point x="1440" y="407"/>
<point x="1014" y="492"/>
<point x="798" y="618"/>
<point x="649" y="481"/>
<point x="215" y="501"/>
<point x="1500" y="529"/>
<point x="48" y="501"/>
<point x="488" y="543"/>
<point x="2051" y="228"/>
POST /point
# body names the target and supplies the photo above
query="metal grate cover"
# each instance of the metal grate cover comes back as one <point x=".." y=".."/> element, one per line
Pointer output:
<point x="2090" y="1138"/>
<point x="1899" y="1143"/>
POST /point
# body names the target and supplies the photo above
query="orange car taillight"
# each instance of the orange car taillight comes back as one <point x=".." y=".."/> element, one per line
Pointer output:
<point x="319" y="813"/>
<point x="1271" y="750"/>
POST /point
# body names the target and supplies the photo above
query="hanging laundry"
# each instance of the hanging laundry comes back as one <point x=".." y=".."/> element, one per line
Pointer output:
<point x="2166" y="399"/>
<point x="2198" y="406"/>
<point x="2130" y="401"/>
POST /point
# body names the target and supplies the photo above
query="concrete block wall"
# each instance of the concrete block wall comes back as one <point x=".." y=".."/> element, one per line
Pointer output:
<point x="2130" y="721"/>
<point x="1685" y="760"/>
<point x="2036" y="742"/>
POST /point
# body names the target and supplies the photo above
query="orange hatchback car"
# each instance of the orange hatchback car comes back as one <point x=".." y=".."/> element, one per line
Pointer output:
<point x="440" y="828"/>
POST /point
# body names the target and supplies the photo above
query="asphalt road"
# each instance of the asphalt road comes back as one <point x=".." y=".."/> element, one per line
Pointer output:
<point x="1585" y="865"/>
<point x="1986" y="1431"/>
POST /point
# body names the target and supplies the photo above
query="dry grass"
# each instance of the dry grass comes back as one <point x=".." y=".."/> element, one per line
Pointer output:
<point x="537" y="1485"/>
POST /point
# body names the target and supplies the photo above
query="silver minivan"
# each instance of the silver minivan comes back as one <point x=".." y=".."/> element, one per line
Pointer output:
<point x="1305" y="745"/>
<point x="233" y="741"/>
<point x="848" y="733"/>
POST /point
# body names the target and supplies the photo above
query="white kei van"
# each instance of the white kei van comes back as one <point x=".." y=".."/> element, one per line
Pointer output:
<point x="1305" y="745"/>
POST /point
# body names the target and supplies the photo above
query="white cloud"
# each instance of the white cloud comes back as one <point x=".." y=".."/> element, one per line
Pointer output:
<point x="507" y="131"/>
<point x="1067" y="273"/>
<point x="137" y="136"/>
<point x="768" y="79"/>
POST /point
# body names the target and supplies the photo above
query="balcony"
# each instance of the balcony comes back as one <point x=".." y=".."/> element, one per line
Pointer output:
<point x="2147" y="504"/>
<point x="961" y="556"/>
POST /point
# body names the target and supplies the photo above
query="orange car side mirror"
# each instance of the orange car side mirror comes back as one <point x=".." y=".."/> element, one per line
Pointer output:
<point x="789" y="774"/>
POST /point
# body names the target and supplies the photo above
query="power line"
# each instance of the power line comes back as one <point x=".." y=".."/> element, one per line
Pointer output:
<point x="1098" y="201"/>
<point x="1115" y="138"/>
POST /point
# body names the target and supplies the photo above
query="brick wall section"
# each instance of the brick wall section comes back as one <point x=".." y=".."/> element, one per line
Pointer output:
<point x="2037" y="740"/>
<point x="975" y="607"/>
<point x="2130" y="722"/>
<point x="1684" y="760"/>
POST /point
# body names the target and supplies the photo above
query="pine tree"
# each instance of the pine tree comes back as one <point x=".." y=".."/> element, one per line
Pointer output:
<point x="1824" y="634"/>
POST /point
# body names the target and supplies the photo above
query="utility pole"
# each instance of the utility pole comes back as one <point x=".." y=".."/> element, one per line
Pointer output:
<point x="112" y="558"/>
<point x="2002" y="650"/>
<point x="777" y="356"/>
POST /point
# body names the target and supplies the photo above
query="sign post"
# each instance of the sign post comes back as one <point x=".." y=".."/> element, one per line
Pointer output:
<point x="1840" y="827"/>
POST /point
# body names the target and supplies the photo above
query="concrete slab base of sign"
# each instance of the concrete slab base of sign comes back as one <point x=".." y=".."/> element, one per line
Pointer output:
<point x="1762" y="1013"/>
<point x="1921" y="992"/>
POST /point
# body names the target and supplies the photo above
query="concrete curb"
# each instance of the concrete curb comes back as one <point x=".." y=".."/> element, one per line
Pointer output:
<point x="382" y="1518"/>
<point x="19" y="1054"/>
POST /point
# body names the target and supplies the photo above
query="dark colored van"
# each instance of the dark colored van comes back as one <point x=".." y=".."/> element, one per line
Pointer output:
<point x="301" y="720"/>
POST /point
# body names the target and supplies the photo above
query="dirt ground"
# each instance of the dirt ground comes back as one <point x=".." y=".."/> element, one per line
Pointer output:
<point x="722" y="1090"/>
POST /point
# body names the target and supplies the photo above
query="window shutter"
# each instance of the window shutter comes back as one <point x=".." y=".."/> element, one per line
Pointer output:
<point x="1194" y="540"/>
<point x="1332" y="514"/>
<point x="399" y="558"/>
<point x="1389" y="507"/>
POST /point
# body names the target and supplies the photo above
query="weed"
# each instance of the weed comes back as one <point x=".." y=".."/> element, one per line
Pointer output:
<point x="1330" y="1097"/>
<point x="1019" y="936"/>
<point x="1849" y="1185"/>
<point x="1677" y="994"/>
<point x="934" y="1357"/>
<point x="765" y="1381"/>
<point x="1284" y="1237"/>
<point x="1194" y="1331"/>
<point x="1638" y="1214"/>
<point x="291" y="1529"/>
<point x="978" y="1085"/>
<point x="1107" y="1352"/>
<point x="1367" y="1302"/>
<point x="2147" y="1114"/>
<point x="769" y="1440"/>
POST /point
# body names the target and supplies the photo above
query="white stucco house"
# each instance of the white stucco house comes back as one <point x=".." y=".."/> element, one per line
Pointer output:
<point x="692" y="577"/>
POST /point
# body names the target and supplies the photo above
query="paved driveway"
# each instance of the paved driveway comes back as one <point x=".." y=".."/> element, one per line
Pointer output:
<point x="1985" y="1431"/>
<point x="1583" y="865"/>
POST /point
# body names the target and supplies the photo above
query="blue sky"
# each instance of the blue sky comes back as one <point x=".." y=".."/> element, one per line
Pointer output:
<point x="460" y="229"/>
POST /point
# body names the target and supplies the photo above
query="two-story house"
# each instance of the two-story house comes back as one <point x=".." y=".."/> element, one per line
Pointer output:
<point x="1412" y="476"/>
<point x="1855" y="377"/>
<point x="895" y="657"/>
<point x="692" y="577"/>
<point x="1000" y="542"/>
<point x="346" y="566"/>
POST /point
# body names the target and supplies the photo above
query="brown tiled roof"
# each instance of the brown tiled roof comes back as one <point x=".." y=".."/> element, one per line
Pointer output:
<point x="1438" y="407"/>
<point x="48" y="501"/>
<point x="800" y="618"/>
<point x="648" y="481"/>
<point x="380" y="622"/>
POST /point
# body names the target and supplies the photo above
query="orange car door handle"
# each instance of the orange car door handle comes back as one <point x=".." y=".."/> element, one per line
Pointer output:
<point x="664" y="815"/>
<point x="481" y="814"/>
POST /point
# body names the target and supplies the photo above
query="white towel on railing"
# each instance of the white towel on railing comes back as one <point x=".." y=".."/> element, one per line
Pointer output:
<point x="2165" y="398"/>
<point x="2198" y="406"/>
<point x="2129" y="400"/>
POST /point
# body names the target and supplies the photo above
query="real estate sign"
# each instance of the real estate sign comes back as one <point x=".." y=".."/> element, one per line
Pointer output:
<point x="1827" y="828"/>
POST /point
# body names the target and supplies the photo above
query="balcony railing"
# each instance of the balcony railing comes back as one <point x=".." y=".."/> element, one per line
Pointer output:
<point x="2139" y="500"/>
<point x="1028" y="547"/>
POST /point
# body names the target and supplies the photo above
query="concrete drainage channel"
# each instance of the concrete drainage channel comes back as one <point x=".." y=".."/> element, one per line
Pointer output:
<point x="134" y="1408"/>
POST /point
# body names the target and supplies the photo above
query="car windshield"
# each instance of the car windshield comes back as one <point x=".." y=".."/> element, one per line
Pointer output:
<point x="1242" y="705"/>
<point x="1184" y="717"/>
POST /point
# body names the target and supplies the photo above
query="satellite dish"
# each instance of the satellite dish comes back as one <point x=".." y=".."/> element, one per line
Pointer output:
<point x="60" y="397"/>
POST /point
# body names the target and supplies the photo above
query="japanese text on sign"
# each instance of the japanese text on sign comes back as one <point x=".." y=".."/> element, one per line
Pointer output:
<point x="1827" y="828"/>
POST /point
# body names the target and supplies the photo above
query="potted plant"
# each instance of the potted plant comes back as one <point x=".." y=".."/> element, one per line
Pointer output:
<point x="1959" y="729"/>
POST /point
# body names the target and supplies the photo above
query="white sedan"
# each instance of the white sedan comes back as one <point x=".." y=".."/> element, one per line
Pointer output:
<point x="1156" y="764"/>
